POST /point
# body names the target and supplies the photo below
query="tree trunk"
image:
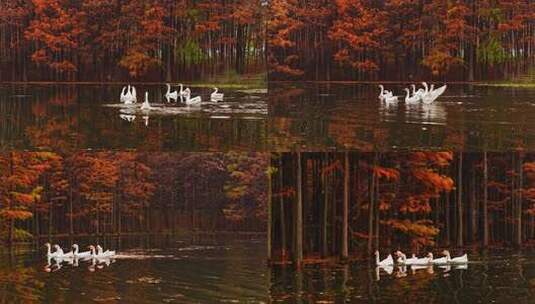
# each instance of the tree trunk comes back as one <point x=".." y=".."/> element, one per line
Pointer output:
<point x="298" y="237"/>
<point x="485" y="199"/>
<point x="345" y="210"/>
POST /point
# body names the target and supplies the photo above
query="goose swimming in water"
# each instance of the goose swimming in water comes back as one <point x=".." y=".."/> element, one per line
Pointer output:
<point x="389" y="261"/>
<point x="215" y="96"/>
<point x="78" y="254"/>
<point x="146" y="105"/>
<point x="184" y="92"/>
<point x="411" y="99"/>
<point x="457" y="260"/>
<point x="431" y="95"/>
<point x="193" y="101"/>
<point x="170" y="95"/>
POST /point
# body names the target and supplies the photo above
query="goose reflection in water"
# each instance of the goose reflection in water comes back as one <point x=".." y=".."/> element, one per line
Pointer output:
<point x="127" y="117"/>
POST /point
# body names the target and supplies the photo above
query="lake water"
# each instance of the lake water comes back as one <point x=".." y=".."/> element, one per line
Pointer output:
<point x="230" y="270"/>
<point x="71" y="117"/>
<point x="171" y="270"/>
<point x="320" y="116"/>
<point x="500" y="277"/>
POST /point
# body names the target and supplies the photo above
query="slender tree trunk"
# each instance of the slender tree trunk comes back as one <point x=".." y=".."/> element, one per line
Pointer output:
<point x="270" y="217"/>
<point x="459" y="202"/>
<point x="485" y="199"/>
<point x="345" y="210"/>
<point x="299" y="215"/>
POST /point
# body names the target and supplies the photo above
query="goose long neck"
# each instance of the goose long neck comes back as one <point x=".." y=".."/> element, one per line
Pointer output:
<point x="382" y="89"/>
<point x="48" y="251"/>
<point x="425" y="86"/>
<point x="168" y="88"/>
<point x="408" y="94"/>
<point x="377" y="262"/>
<point x="413" y="89"/>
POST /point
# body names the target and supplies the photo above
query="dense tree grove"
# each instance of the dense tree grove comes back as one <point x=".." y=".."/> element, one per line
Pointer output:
<point x="345" y="204"/>
<point x="400" y="39"/>
<point x="99" y="193"/>
<point x="123" y="39"/>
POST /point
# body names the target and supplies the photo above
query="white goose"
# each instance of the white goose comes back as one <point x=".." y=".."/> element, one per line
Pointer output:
<point x="145" y="106"/>
<point x="384" y="93"/>
<point x="184" y="92"/>
<point x="104" y="254"/>
<point x="134" y="94"/>
<point x="123" y="95"/>
<point x="442" y="260"/>
<point x="61" y="254"/>
<point x="49" y="253"/>
<point x="192" y="101"/>
<point x="411" y="99"/>
<point x="171" y="95"/>
<point x="78" y="254"/>
<point x="430" y="94"/>
<point x="215" y="96"/>
<point x="389" y="261"/>
<point x="402" y="258"/>
<point x="418" y="93"/>
<point x="457" y="260"/>
<point x="96" y="253"/>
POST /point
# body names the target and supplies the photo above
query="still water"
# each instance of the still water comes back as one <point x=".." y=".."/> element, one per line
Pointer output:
<point x="320" y="116"/>
<point x="498" y="277"/>
<point x="171" y="270"/>
<point x="223" y="270"/>
<point x="63" y="117"/>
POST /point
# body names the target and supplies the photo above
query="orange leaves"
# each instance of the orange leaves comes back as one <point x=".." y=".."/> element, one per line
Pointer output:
<point x="386" y="173"/>
<point x="433" y="181"/>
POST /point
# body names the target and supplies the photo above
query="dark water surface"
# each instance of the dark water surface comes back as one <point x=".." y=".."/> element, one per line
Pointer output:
<point x="146" y="271"/>
<point x="504" y="277"/>
<point x="223" y="270"/>
<point x="320" y="116"/>
<point x="63" y="117"/>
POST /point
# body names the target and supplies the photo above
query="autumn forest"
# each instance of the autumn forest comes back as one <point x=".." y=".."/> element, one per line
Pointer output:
<point x="120" y="193"/>
<point x="401" y="39"/>
<point x="346" y="205"/>
<point x="118" y="40"/>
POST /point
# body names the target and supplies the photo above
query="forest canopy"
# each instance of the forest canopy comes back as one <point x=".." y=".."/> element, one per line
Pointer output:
<point x="118" y="39"/>
<point x="400" y="39"/>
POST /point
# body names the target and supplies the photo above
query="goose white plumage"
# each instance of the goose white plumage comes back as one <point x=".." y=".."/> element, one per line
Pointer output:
<point x="146" y="105"/>
<point x="123" y="95"/>
<point x="457" y="260"/>
<point x="63" y="255"/>
<point x="216" y="96"/>
<point x="193" y="101"/>
<point x="171" y="95"/>
<point x="134" y="94"/>
<point x="104" y="254"/>
<point x="411" y="99"/>
<point x="442" y="260"/>
<point x="389" y="261"/>
<point x="431" y="94"/>
<point x="184" y="92"/>
<point x="402" y="258"/>
<point x="78" y="254"/>
<point x="49" y="252"/>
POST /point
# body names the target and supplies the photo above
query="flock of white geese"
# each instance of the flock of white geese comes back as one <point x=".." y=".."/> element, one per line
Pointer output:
<point x="94" y="252"/>
<point x="129" y="96"/>
<point x="416" y="261"/>
<point x="425" y="95"/>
